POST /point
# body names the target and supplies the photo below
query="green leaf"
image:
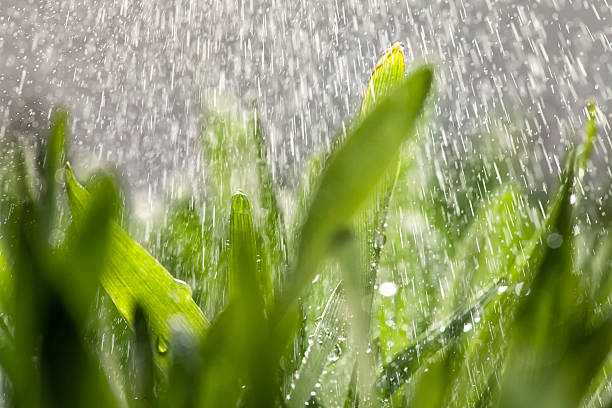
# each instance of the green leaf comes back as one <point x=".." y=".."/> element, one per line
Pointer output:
<point x="315" y="359"/>
<point x="352" y="175"/>
<point x="238" y="350"/>
<point x="144" y="366"/>
<point x="275" y="235"/>
<point x="489" y="247"/>
<point x="388" y="73"/>
<point x="489" y="345"/>
<point x="54" y="159"/>
<point x="404" y="364"/>
<point x="245" y="278"/>
<point x="132" y="276"/>
<point x="370" y="223"/>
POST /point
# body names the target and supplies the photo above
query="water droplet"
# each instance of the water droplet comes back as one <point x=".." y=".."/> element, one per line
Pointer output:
<point x="554" y="240"/>
<point x="162" y="345"/>
<point x="387" y="289"/>
<point x="502" y="289"/>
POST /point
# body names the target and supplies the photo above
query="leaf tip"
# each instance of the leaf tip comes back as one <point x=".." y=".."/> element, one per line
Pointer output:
<point x="240" y="203"/>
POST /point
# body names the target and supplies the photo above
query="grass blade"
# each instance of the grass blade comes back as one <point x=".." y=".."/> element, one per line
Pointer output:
<point x="144" y="366"/>
<point x="370" y="224"/>
<point x="54" y="159"/>
<point x="245" y="278"/>
<point x="351" y="176"/>
<point x="274" y="226"/>
<point x="238" y="352"/>
<point x="316" y="357"/>
<point x="405" y="363"/>
<point x="133" y="276"/>
<point x="388" y="73"/>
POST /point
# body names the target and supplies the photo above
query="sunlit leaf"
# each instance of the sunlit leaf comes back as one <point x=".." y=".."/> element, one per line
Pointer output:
<point x="132" y="276"/>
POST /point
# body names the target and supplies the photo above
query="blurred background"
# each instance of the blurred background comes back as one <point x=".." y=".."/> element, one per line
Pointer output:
<point x="138" y="75"/>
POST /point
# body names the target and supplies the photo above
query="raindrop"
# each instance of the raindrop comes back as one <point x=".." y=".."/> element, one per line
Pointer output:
<point x="162" y="345"/>
<point x="554" y="240"/>
<point x="387" y="289"/>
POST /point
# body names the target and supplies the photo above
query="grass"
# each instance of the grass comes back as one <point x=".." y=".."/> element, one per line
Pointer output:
<point x="386" y="289"/>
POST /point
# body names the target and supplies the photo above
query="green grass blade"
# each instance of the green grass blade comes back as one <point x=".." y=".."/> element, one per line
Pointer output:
<point x="245" y="279"/>
<point x="404" y="364"/>
<point x="552" y="325"/>
<point x="489" y="247"/>
<point x="316" y="357"/>
<point x="308" y="184"/>
<point x="54" y="159"/>
<point x="389" y="71"/>
<point x="351" y="176"/>
<point x="238" y="349"/>
<point x="589" y="138"/>
<point x="6" y="282"/>
<point x="144" y="366"/>
<point x="370" y="222"/>
<point x="489" y="343"/>
<point x="275" y="234"/>
<point x="132" y="276"/>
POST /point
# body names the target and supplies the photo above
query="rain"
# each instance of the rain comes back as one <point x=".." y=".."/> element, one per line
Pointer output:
<point x="164" y="96"/>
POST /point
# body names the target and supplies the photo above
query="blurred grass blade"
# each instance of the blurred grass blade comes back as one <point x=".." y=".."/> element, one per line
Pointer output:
<point x="590" y="135"/>
<point x="351" y="176"/>
<point x="144" y="366"/>
<point x="274" y="225"/>
<point x="546" y="315"/>
<point x="489" y="247"/>
<point x="405" y="363"/>
<point x="370" y="222"/>
<point x="567" y="342"/>
<point x="245" y="279"/>
<point x="487" y="344"/>
<point x="54" y="159"/>
<point x="185" y="371"/>
<point x="239" y="355"/>
<point x="6" y="282"/>
<point x="132" y="276"/>
<point x="51" y="362"/>
<point x="318" y="353"/>
<point x="308" y="184"/>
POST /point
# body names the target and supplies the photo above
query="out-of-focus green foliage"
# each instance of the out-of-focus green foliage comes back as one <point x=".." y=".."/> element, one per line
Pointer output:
<point x="383" y="290"/>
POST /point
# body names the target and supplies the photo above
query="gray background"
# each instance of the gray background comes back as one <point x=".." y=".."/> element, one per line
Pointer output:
<point x="136" y="74"/>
